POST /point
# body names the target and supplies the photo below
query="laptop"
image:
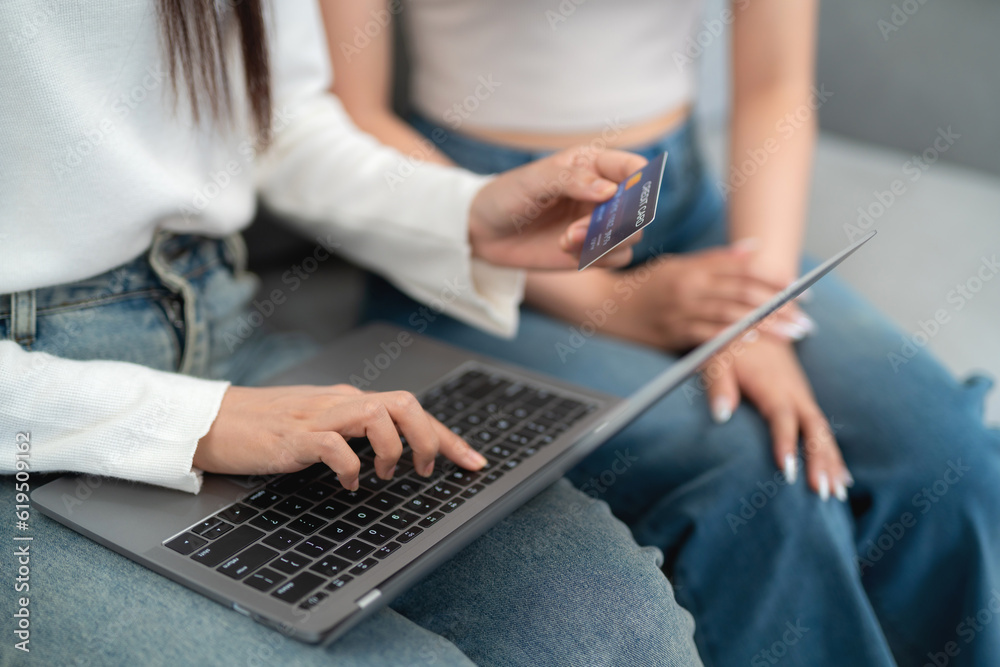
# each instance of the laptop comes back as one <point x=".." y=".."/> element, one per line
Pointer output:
<point x="299" y="553"/>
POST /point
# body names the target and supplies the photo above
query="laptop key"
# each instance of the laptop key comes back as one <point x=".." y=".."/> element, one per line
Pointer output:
<point x="236" y="514"/>
<point x="317" y="491"/>
<point x="399" y="519"/>
<point x="247" y="561"/>
<point x="339" y="582"/>
<point x="338" y="531"/>
<point x="330" y="566"/>
<point x="405" y="488"/>
<point x="313" y="600"/>
<point x="264" y="580"/>
<point x="269" y="520"/>
<point x="262" y="499"/>
<point x="314" y="547"/>
<point x="443" y="491"/>
<point x="384" y="501"/>
<point x="292" y="506"/>
<point x="353" y="497"/>
<point x="452" y="505"/>
<point x="298" y="588"/>
<point x="374" y="483"/>
<point x="282" y="539"/>
<point x="290" y="562"/>
<point x="227" y="545"/>
<point x="330" y="509"/>
<point x="421" y="504"/>
<point x="377" y="534"/>
<point x="186" y="543"/>
<point x="364" y="566"/>
<point x="431" y="519"/>
<point x="362" y="516"/>
<point x="307" y="524"/>
<point x="354" y="550"/>
<point x="409" y="534"/>
<point x="472" y="490"/>
<point x="387" y="549"/>
<point x="491" y="477"/>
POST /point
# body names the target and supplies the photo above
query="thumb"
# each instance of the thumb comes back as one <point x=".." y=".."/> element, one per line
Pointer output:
<point x="723" y="390"/>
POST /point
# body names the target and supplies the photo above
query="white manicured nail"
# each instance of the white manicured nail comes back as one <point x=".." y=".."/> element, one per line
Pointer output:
<point x="747" y="245"/>
<point x="721" y="412"/>
<point x="807" y="323"/>
<point x="848" y="479"/>
<point x="824" y="487"/>
<point x="791" y="468"/>
<point x="840" y="491"/>
<point x="790" y="330"/>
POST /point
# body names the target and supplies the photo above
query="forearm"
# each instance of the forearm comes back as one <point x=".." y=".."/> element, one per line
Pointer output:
<point x="769" y="175"/>
<point x="393" y="131"/>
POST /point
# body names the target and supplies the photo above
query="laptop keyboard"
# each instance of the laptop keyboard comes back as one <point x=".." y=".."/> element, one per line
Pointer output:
<point x="303" y="536"/>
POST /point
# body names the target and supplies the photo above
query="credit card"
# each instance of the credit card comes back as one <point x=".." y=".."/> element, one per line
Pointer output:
<point x="631" y="208"/>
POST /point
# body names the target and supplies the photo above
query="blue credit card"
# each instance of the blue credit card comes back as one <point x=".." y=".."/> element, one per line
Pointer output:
<point x="631" y="208"/>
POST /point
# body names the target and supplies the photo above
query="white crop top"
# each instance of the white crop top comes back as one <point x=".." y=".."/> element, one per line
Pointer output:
<point x="556" y="66"/>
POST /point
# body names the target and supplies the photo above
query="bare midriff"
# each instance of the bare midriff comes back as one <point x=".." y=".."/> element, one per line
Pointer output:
<point x="613" y="135"/>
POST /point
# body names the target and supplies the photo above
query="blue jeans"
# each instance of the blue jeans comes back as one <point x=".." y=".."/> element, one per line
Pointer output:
<point x="560" y="581"/>
<point x="907" y="572"/>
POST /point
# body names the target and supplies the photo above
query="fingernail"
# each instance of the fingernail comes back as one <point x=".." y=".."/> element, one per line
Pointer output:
<point x="721" y="412"/>
<point x="392" y="472"/>
<point x="351" y="486"/>
<point x="848" y="479"/>
<point x="476" y="459"/>
<point x="791" y="468"/>
<point x="806" y="296"/>
<point x="840" y="491"/>
<point x="790" y="330"/>
<point x="824" y="487"/>
<point x="603" y="188"/>
<point x="747" y="245"/>
<point x="751" y="336"/>
<point x="426" y="470"/>
<point x="807" y="323"/>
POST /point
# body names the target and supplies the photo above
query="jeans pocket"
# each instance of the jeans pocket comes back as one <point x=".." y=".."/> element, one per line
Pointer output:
<point x="133" y="327"/>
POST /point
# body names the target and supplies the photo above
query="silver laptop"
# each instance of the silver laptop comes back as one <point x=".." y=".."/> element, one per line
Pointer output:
<point x="299" y="553"/>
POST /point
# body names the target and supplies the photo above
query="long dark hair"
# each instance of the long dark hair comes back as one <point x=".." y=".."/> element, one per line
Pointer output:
<point x="194" y="36"/>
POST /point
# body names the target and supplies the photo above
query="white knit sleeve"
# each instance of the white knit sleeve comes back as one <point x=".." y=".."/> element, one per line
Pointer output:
<point x="104" y="417"/>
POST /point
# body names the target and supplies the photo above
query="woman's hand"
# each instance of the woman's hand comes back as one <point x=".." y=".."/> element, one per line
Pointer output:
<point x="284" y="429"/>
<point x="769" y="374"/>
<point x="536" y="216"/>
<point x="687" y="299"/>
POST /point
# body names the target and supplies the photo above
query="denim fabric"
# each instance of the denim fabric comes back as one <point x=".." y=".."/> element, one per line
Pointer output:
<point x="558" y="582"/>
<point x="908" y="572"/>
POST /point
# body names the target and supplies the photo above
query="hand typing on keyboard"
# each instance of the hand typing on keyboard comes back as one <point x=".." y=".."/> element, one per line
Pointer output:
<point x="285" y="429"/>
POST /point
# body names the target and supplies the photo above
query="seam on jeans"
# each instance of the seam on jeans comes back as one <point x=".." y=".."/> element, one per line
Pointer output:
<point x="149" y="292"/>
<point x="169" y="328"/>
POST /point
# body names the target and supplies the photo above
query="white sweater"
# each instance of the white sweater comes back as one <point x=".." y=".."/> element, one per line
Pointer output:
<point x="96" y="153"/>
